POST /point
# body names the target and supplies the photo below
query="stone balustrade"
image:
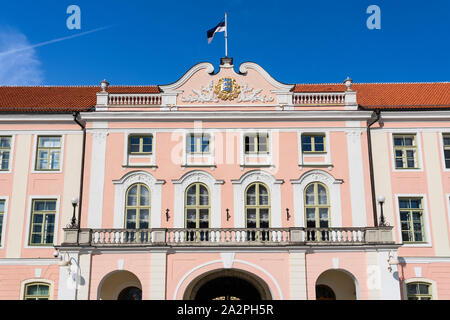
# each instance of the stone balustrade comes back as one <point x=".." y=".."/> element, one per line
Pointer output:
<point x="228" y="237"/>
<point x="117" y="99"/>
<point x="319" y="98"/>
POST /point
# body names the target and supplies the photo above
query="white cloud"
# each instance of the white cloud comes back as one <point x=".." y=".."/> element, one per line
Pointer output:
<point x="18" y="67"/>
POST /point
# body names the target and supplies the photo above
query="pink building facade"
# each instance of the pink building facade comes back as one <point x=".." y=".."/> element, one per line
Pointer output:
<point x="225" y="185"/>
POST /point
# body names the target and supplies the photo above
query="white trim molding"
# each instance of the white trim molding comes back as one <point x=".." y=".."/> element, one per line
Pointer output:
<point x="150" y="159"/>
<point x="97" y="178"/>
<point x="327" y="155"/>
<point x="215" y="188"/>
<point x="239" y="187"/>
<point x="40" y="280"/>
<point x="418" y="139"/>
<point x="334" y="191"/>
<point x="35" y="149"/>
<point x="120" y="189"/>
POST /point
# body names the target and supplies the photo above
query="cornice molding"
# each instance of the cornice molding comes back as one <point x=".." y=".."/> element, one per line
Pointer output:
<point x="323" y="115"/>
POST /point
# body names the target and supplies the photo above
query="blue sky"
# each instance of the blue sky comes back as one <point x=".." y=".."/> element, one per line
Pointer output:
<point x="155" y="42"/>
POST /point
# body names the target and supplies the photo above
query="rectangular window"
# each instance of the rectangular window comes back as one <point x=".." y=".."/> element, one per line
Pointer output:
<point x="257" y="143"/>
<point x="313" y="143"/>
<point x="140" y="145"/>
<point x="198" y="143"/>
<point x="48" y="154"/>
<point x="446" y="144"/>
<point x="405" y="151"/>
<point x="2" y="212"/>
<point x="42" y="222"/>
<point x="412" y="221"/>
<point x="419" y="291"/>
<point x="5" y="152"/>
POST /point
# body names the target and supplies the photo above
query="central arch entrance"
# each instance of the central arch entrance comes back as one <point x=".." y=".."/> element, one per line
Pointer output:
<point x="227" y="284"/>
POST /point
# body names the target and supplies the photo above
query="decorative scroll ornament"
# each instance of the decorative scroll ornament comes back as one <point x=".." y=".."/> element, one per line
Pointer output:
<point x="227" y="89"/>
<point x="203" y="95"/>
<point x="248" y="96"/>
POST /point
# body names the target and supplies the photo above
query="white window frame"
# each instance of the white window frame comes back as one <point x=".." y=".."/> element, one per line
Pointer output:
<point x="5" y="219"/>
<point x="28" y="224"/>
<point x="268" y="156"/>
<point x="151" y="157"/>
<point x="40" y="280"/>
<point x="302" y="155"/>
<point x="441" y="145"/>
<point x="187" y="155"/>
<point x="434" y="290"/>
<point x="11" y="152"/>
<point x="334" y="193"/>
<point x="35" y="147"/>
<point x="120" y="190"/>
<point x="428" y="236"/>
<point x="419" y="158"/>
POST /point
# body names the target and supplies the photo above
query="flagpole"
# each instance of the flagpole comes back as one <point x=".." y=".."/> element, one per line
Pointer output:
<point x="226" y="36"/>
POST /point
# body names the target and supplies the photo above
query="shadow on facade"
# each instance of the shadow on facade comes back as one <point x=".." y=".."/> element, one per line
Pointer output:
<point x="336" y="284"/>
<point x="227" y="284"/>
<point x="120" y="285"/>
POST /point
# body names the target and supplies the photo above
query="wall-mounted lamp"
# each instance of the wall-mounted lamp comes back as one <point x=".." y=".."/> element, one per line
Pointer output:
<point x="167" y="215"/>
<point x="73" y="223"/>
<point x="288" y="216"/>
<point x="64" y="260"/>
<point x="381" y="200"/>
<point x="228" y="214"/>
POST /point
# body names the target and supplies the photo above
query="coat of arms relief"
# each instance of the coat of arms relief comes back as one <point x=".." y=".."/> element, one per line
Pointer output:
<point x="226" y="89"/>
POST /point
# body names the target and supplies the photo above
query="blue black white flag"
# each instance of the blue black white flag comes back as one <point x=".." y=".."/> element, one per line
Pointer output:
<point x="221" y="27"/>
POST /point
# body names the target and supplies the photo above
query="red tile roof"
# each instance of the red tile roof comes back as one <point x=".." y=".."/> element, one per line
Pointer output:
<point x="391" y="95"/>
<point x="369" y="96"/>
<point x="58" y="99"/>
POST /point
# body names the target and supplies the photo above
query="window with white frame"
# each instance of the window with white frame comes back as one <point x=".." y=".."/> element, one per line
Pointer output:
<point x="405" y="151"/>
<point x="42" y="226"/>
<point x="419" y="291"/>
<point x="198" y="143"/>
<point x="446" y="144"/>
<point x="140" y="144"/>
<point x="37" y="291"/>
<point x="412" y="220"/>
<point x="48" y="153"/>
<point x="2" y="213"/>
<point x="5" y="152"/>
<point x="313" y="143"/>
<point x="257" y="143"/>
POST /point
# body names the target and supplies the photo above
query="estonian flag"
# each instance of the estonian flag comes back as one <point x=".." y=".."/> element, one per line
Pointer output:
<point x="221" y="27"/>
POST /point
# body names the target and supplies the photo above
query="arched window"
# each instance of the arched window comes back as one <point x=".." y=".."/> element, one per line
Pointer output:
<point x="257" y="210"/>
<point x="197" y="209"/>
<point x="137" y="211"/>
<point x="137" y="207"/>
<point x="317" y="210"/>
<point x="37" y="291"/>
<point x="419" y="291"/>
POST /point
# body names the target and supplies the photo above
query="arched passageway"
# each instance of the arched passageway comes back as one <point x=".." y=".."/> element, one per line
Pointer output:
<point x="120" y="285"/>
<point x="227" y="284"/>
<point x="336" y="285"/>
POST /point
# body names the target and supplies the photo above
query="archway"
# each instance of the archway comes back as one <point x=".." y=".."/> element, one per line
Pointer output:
<point x="120" y="285"/>
<point x="336" y="285"/>
<point x="227" y="284"/>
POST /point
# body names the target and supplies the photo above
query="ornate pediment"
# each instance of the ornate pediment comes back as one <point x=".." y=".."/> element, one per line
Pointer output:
<point x="201" y="86"/>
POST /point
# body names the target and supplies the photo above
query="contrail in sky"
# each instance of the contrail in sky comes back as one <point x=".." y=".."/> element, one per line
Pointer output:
<point x="53" y="41"/>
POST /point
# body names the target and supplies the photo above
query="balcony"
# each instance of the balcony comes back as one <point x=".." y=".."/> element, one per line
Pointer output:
<point x="233" y="237"/>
